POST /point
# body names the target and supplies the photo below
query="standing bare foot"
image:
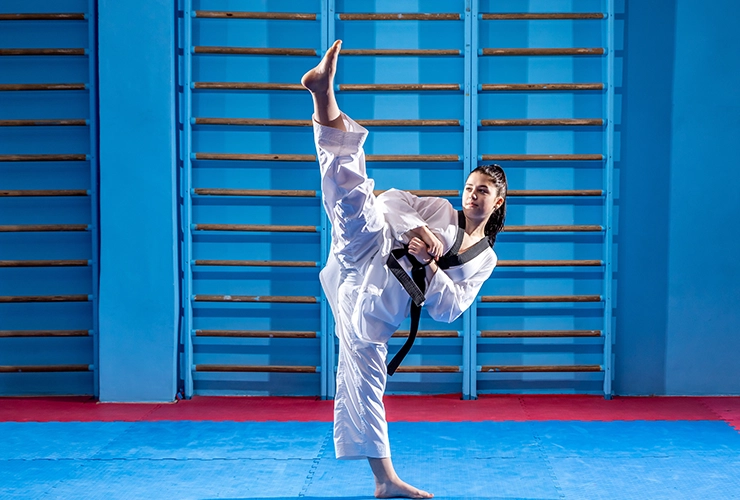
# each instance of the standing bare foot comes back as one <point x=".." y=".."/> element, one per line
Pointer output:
<point x="320" y="78"/>
<point x="389" y="485"/>
<point x="398" y="489"/>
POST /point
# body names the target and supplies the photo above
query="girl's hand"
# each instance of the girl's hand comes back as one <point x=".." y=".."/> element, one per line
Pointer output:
<point x="418" y="249"/>
<point x="434" y="246"/>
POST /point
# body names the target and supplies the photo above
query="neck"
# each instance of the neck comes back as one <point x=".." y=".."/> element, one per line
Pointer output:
<point x="475" y="228"/>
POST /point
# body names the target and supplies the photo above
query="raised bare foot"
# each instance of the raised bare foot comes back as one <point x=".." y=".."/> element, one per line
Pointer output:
<point x="397" y="488"/>
<point x="320" y="78"/>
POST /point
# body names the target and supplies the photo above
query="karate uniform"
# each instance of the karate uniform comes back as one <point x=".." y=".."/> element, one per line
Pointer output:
<point x="368" y="302"/>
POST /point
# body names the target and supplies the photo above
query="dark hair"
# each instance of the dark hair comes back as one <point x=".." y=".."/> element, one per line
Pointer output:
<point x="496" y="221"/>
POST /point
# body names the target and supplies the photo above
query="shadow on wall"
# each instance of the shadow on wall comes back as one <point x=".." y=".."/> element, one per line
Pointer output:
<point x="643" y="203"/>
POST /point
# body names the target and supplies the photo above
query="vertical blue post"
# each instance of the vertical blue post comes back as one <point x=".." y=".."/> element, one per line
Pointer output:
<point x="609" y="204"/>
<point x="186" y="76"/>
<point x="470" y="159"/>
<point x="328" y="377"/>
<point x="92" y="56"/>
<point x="139" y="282"/>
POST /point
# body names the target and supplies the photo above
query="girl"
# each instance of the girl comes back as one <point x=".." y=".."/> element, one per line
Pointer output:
<point x="376" y="242"/>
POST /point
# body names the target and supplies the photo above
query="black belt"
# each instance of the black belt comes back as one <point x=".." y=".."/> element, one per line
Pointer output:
<point x="415" y="285"/>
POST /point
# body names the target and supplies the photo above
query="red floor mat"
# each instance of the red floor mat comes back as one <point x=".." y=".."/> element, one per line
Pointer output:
<point x="446" y="408"/>
<point x="593" y="408"/>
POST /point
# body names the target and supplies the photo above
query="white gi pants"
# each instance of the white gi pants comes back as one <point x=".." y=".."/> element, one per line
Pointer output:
<point x="360" y="427"/>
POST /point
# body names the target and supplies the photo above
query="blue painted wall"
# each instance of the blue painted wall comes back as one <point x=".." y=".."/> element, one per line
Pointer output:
<point x="679" y="277"/>
<point x="139" y="289"/>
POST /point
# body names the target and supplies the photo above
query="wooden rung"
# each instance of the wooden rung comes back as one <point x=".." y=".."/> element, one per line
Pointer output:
<point x="501" y="334"/>
<point x="597" y="51"/>
<point x="557" y="157"/>
<point x="258" y="263"/>
<point x="345" y="16"/>
<point x="263" y="51"/>
<point x="26" y="158"/>
<point x="255" y="228"/>
<point x="401" y="52"/>
<point x="553" y="229"/>
<point x="57" y="16"/>
<point x="44" y="263"/>
<point x="43" y="192"/>
<point x="291" y="193"/>
<point x="555" y="192"/>
<point x="499" y="87"/>
<point x="440" y="193"/>
<point x="307" y="123"/>
<point x="548" y="263"/>
<point x="542" y="15"/>
<point x="44" y="368"/>
<point x="283" y="334"/>
<point x="428" y="333"/>
<point x="41" y="86"/>
<point x="247" y="86"/>
<point x="540" y="368"/>
<point x="428" y="369"/>
<point x="42" y="52"/>
<point x="393" y="87"/>
<point x="282" y="299"/>
<point x="44" y="333"/>
<point x="288" y="16"/>
<point x="545" y="122"/>
<point x="43" y="298"/>
<point x="410" y="158"/>
<point x="43" y="123"/>
<point x="409" y="123"/>
<point x="265" y="122"/>
<point x="32" y="228"/>
<point x="540" y="298"/>
<point x="256" y="369"/>
<point x="254" y="157"/>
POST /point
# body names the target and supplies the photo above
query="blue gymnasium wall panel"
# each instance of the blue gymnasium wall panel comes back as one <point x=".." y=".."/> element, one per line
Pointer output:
<point x="139" y="306"/>
<point x="48" y="344"/>
<point x="678" y="279"/>
<point x="703" y="267"/>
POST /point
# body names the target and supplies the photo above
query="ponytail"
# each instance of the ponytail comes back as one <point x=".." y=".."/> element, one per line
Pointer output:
<point x="495" y="222"/>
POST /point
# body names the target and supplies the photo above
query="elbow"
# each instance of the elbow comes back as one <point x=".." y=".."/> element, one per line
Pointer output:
<point x="445" y="315"/>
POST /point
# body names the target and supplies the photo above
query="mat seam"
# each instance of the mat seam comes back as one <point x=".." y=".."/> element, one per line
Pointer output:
<point x="541" y="450"/>
<point x="719" y="415"/>
<point x="315" y="464"/>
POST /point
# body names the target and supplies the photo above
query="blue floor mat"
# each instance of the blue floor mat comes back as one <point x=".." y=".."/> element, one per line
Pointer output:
<point x="653" y="478"/>
<point x="638" y="438"/>
<point x="57" y="440"/>
<point x="290" y="460"/>
<point x="152" y="479"/>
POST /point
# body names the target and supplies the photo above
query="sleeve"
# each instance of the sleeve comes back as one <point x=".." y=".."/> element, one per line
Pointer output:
<point x="404" y="211"/>
<point x="446" y="299"/>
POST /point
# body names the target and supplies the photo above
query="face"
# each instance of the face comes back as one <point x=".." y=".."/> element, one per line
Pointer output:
<point x="480" y="197"/>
